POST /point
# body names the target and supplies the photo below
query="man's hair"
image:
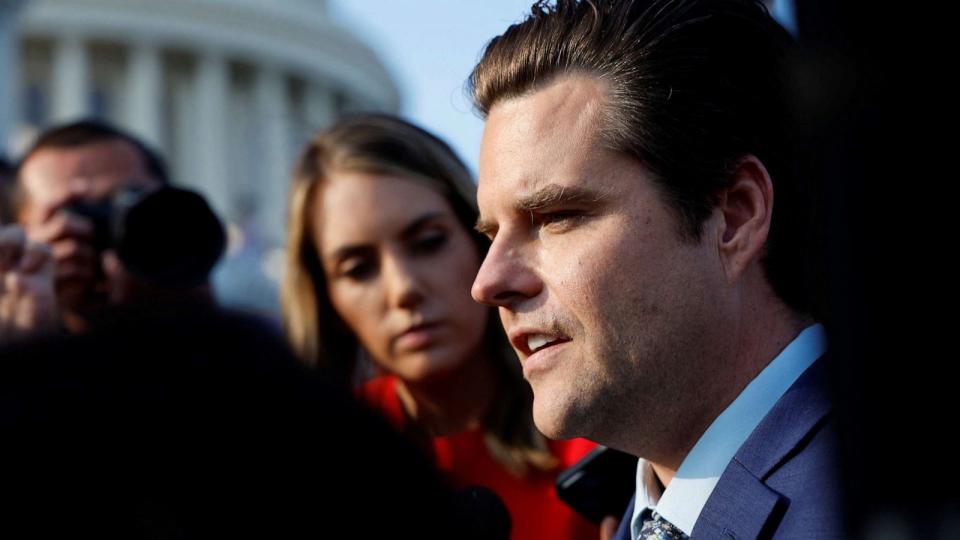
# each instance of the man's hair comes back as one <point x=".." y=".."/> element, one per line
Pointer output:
<point x="694" y="86"/>
<point x="84" y="133"/>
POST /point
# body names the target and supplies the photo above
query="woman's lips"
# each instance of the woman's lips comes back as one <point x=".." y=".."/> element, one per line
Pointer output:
<point x="418" y="337"/>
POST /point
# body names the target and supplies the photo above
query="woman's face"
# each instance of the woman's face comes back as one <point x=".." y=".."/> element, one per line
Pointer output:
<point x="399" y="266"/>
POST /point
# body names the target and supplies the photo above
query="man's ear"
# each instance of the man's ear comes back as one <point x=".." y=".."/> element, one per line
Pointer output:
<point x="745" y="207"/>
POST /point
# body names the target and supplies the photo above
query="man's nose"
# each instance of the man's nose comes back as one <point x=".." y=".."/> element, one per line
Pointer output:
<point x="505" y="277"/>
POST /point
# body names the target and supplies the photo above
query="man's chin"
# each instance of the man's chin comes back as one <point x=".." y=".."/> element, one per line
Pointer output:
<point x="555" y="422"/>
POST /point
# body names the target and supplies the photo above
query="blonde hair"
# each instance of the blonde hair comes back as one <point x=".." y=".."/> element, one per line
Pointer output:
<point x="381" y="144"/>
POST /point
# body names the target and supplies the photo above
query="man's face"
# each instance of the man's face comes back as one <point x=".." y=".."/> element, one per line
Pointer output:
<point x="610" y="311"/>
<point x="53" y="176"/>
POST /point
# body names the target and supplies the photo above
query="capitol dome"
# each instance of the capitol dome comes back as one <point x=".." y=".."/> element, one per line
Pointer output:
<point x="227" y="90"/>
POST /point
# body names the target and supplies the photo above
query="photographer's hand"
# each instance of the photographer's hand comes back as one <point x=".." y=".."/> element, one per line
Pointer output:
<point x="28" y="304"/>
<point x="70" y="238"/>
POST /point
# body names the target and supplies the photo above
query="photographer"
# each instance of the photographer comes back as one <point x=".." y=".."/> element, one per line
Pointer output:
<point x="70" y="190"/>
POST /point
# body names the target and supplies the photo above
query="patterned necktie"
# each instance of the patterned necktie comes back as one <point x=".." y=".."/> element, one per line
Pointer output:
<point x="657" y="528"/>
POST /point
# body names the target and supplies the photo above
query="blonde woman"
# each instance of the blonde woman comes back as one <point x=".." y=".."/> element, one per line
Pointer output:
<point x="382" y="254"/>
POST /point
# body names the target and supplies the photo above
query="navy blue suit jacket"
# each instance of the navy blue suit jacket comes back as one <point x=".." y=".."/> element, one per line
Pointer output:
<point x="782" y="482"/>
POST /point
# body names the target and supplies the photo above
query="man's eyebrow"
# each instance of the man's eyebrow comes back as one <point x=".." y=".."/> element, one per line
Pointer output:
<point x="485" y="227"/>
<point x="555" y="194"/>
<point x="545" y="197"/>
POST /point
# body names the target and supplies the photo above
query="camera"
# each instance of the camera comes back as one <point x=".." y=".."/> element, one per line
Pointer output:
<point x="168" y="237"/>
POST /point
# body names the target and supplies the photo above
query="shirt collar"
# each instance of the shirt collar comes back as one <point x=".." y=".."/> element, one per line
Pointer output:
<point x="685" y="497"/>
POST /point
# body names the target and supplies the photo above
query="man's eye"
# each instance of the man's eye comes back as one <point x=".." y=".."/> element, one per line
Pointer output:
<point x="560" y="220"/>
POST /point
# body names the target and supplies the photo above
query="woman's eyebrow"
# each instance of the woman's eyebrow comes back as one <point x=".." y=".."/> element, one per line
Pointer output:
<point x="408" y="230"/>
<point x="347" y="251"/>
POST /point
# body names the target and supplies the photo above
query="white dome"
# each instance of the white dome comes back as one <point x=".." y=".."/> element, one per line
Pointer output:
<point x="296" y="34"/>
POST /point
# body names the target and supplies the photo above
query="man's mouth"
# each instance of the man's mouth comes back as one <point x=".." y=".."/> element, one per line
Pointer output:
<point x="533" y="342"/>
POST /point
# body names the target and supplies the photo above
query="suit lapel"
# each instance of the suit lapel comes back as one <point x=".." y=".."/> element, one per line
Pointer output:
<point x="623" y="532"/>
<point x="741" y="504"/>
<point x="738" y="508"/>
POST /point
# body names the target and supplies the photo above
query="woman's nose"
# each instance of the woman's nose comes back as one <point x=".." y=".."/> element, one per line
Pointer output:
<point x="405" y="287"/>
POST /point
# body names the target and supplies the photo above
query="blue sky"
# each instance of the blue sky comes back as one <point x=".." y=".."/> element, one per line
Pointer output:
<point x="430" y="46"/>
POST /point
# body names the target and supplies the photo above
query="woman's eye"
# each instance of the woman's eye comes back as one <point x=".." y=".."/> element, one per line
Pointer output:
<point x="430" y="243"/>
<point x="356" y="269"/>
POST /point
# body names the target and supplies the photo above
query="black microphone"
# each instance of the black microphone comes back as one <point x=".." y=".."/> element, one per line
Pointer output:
<point x="480" y="514"/>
